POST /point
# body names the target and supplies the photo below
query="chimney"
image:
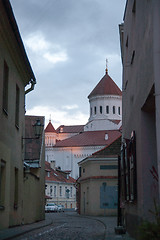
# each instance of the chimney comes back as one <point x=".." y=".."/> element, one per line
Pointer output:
<point x="106" y="136"/>
<point x="53" y="164"/>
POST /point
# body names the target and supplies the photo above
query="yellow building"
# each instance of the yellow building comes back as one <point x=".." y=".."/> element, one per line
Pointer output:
<point x="15" y="75"/>
<point x="97" y="190"/>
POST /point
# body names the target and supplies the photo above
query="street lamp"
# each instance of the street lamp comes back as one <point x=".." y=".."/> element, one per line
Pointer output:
<point x="38" y="128"/>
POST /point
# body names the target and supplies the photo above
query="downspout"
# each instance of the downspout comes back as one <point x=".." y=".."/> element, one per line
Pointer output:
<point x="32" y="82"/>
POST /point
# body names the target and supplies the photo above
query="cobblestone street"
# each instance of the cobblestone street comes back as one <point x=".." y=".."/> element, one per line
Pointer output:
<point x="66" y="226"/>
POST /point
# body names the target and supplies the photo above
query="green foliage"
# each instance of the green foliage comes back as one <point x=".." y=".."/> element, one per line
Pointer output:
<point x="151" y="230"/>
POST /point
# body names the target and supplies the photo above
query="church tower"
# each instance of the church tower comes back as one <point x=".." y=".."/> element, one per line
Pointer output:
<point x="50" y="135"/>
<point x="105" y="106"/>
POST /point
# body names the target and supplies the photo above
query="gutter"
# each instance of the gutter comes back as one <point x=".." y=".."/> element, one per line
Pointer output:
<point x="32" y="82"/>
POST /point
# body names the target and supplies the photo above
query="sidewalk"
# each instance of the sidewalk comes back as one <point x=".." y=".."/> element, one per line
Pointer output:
<point x="10" y="233"/>
<point x="110" y="224"/>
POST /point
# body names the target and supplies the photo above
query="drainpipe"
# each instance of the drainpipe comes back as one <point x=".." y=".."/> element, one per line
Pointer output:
<point x="32" y="82"/>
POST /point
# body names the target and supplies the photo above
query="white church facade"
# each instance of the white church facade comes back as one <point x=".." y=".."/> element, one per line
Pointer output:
<point x="68" y="145"/>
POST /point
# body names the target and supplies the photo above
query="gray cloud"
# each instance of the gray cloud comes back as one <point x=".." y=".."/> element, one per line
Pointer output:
<point x="67" y="42"/>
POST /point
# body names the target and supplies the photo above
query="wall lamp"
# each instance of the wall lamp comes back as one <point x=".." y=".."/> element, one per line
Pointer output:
<point x="38" y="129"/>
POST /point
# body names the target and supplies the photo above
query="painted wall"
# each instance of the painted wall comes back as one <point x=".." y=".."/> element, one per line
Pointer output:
<point x="98" y="187"/>
<point x="57" y="192"/>
<point x="68" y="158"/>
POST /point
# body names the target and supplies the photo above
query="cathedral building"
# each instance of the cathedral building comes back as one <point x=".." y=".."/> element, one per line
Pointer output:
<point x="68" y="145"/>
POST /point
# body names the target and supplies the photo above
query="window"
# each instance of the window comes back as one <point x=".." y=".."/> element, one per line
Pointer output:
<point x="5" y="88"/>
<point x="100" y="109"/>
<point x="71" y="192"/>
<point x="107" y="109"/>
<point x="133" y="55"/>
<point x="91" y="111"/>
<point x="114" y="111"/>
<point x="60" y="190"/>
<point x="2" y="183"/>
<point x="17" y="107"/>
<point x="16" y="189"/>
<point x="108" y="167"/>
<point x="127" y="42"/>
<point x="95" y="110"/>
<point x="50" y="190"/>
<point x="119" y="110"/>
<point x="134" y="7"/>
<point x="54" y="191"/>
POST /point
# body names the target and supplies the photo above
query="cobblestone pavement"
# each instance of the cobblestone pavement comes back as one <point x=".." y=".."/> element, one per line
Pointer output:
<point x="67" y="227"/>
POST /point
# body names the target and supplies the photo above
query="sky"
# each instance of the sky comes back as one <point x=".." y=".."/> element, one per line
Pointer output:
<point x="67" y="43"/>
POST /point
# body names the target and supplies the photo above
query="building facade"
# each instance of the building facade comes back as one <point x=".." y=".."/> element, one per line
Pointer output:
<point x="59" y="186"/>
<point x="15" y="74"/>
<point x="68" y="145"/>
<point x="140" y="47"/>
<point x="97" y="186"/>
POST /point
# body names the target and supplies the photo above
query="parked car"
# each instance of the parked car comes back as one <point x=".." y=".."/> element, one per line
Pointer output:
<point x="60" y="208"/>
<point x="51" y="207"/>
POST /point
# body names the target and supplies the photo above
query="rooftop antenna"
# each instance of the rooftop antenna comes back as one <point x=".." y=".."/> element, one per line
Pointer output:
<point x="106" y="66"/>
<point x="50" y="118"/>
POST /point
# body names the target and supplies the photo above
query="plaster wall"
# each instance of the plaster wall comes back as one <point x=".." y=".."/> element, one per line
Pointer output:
<point x="139" y="105"/>
<point x="68" y="157"/>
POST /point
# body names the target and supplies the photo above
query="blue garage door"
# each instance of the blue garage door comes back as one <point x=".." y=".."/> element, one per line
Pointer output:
<point x="108" y="196"/>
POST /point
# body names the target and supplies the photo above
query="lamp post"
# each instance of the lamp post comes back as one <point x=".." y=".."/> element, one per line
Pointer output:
<point x="38" y="129"/>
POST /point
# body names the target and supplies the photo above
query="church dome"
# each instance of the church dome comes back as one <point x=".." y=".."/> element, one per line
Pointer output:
<point x="105" y="105"/>
<point x="106" y="86"/>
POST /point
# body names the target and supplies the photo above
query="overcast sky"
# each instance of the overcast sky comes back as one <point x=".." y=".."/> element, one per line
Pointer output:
<point x="67" y="43"/>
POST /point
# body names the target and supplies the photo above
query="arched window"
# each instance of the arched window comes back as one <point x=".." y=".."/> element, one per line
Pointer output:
<point x="119" y="110"/>
<point x="91" y="111"/>
<point x="107" y="109"/>
<point x="95" y="110"/>
<point x="114" y="111"/>
<point x="100" y="109"/>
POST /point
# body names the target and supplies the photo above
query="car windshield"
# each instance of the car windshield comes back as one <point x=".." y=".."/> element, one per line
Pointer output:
<point x="50" y="204"/>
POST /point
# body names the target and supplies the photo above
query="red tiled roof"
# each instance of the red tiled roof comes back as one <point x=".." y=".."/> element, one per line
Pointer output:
<point x="106" y="86"/>
<point x="70" y="129"/>
<point x="57" y="176"/>
<point x="50" y="128"/>
<point x="90" y="138"/>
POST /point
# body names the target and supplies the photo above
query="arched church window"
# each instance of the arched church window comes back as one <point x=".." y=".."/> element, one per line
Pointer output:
<point x="114" y="111"/>
<point x="95" y="110"/>
<point x="119" y="110"/>
<point x="101" y="109"/>
<point x="107" y="109"/>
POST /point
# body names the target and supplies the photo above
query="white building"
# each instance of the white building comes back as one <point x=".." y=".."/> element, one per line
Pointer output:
<point x="70" y="144"/>
<point x="60" y="187"/>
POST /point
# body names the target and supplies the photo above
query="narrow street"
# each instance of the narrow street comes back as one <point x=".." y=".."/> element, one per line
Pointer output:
<point x="67" y="226"/>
